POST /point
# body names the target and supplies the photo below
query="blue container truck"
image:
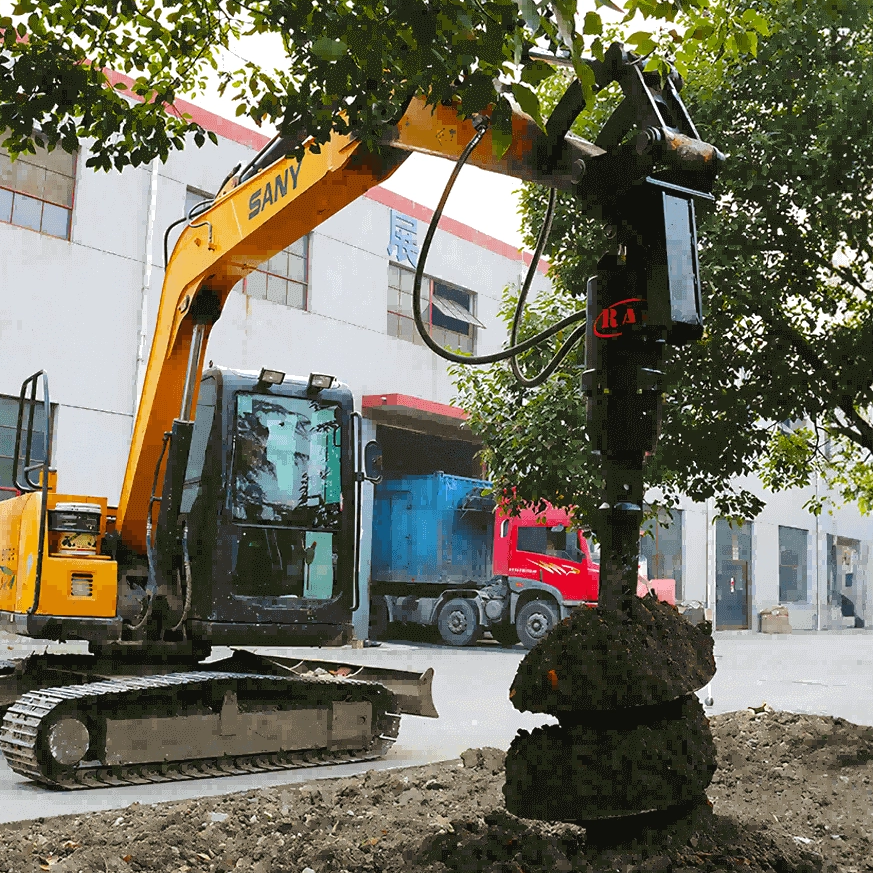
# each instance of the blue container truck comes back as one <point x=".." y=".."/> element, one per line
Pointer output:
<point x="443" y="557"/>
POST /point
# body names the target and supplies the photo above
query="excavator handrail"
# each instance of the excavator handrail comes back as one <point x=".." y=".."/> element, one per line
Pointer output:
<point x="28" y="484"/>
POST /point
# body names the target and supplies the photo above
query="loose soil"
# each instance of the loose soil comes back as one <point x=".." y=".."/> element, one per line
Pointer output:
<point x="792" y="793"/>
<point x="600" y="660"/>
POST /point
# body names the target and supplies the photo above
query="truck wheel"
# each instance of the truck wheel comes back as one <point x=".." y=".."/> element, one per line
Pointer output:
<point x="505" y="634"/>
<point x="458" y="622"/>
<point x="534" y="620"/>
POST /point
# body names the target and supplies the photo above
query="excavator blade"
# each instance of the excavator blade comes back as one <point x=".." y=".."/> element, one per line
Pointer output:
<point x="412" y="691"/>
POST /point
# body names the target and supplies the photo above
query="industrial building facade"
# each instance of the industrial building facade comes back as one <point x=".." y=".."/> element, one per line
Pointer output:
<point x="81" y="266"/>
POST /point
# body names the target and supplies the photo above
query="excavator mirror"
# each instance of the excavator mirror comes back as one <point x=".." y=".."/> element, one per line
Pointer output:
<point x="373" y="462"/>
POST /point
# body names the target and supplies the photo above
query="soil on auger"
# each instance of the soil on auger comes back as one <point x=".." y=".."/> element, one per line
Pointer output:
<point x="598" y="660"/>
<point x="656" y="763"/>
<point x="632" y="739"/>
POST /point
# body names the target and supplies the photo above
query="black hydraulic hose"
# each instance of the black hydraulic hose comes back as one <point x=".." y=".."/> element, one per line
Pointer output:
<point x="195" y="210"/>
<point x="506" y="354"/>
<point x="150" y="548"/>
<point x="176" y="223"/>
<point x="186" y="561"/>
<point x="574" y="337"/>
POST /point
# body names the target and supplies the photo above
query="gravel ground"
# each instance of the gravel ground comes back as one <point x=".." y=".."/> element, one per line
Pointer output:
<point x="792" y="793"/>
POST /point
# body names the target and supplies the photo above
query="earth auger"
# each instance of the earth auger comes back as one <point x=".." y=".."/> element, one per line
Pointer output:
<point x="633" y="748"/>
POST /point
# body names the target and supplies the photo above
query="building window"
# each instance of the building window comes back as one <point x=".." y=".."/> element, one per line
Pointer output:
<point x="193" y="196"/>
<point x="792" y="564"/>
<point x="8" y="422"/>
<point x="448" y="311"/>
<point x="284" y="278"/>
<point x="36" y="191"/>
<point x="661" y="546"/>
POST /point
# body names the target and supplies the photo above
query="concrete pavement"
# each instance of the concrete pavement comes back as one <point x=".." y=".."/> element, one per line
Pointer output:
<point x="820" y="673"/>
<point x="829" y="673"/>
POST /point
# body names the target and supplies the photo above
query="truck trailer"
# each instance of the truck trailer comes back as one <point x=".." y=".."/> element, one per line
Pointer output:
<point x="445" y="555"/>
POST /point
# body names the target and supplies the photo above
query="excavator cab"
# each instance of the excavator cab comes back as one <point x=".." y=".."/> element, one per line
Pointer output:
<point x="268" y="510"/>
<point x="257" y="543"/>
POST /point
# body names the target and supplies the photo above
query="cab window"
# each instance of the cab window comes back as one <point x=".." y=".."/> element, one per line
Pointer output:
<point x="558" y="542"/>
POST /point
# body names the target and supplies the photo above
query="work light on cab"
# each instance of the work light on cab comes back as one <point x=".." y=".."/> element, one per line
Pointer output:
<point x="319" y="382"/>
<point x="271" y="377"/>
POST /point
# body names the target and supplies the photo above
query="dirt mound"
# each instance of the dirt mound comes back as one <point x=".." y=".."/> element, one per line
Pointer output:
<point x="500" y="843"/>
<point x="596" y="773"/>
<point x="793" y="796"/>
<point x="809" y="775"/>
<point x="604" y="660"/>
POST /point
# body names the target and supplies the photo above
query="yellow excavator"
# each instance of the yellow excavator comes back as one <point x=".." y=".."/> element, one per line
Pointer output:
<point x="239" y="517"/>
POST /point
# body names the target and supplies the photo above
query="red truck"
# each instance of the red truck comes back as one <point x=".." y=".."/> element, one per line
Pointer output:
<point x="444" y="556"/>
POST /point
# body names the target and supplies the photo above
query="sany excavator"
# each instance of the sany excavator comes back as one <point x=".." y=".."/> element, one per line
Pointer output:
<point x="238" y="522"/>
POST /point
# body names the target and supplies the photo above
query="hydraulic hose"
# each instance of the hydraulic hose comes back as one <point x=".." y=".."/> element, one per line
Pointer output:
<point x="481" y="127"/>
<point x="195" y="210"/>
<point x="574" y="337"/>
<point x="186" y="563"/>
<point x="150" y="547"/>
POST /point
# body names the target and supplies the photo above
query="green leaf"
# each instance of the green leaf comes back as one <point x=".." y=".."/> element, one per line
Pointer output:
<point x="757" y="20"/>
<point x="608" y="3"/>
<point x="646" y="46"/>
<point x="643" y="42"/>
<point x="535" y="72"/>
<point x="530" y="13"/>
<point x="529" y="103"/>
<point x="703" y="31"/>
<point x="328" y="49"/>
<point x="597" y="49"/>
<point x="565" y="12"/>
<point x="586" y="78"/>
<point x="593" y="24"/>
<point x="501" y="128"/>
<point x="747" y="42"/>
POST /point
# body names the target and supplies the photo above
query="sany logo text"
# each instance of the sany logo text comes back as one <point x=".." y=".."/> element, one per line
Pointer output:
<point x="273" y="191"/>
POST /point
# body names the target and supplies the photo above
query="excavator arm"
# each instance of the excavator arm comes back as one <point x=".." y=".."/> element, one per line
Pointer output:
<point x="255" y="218"/>
<point x="264" y="214"/>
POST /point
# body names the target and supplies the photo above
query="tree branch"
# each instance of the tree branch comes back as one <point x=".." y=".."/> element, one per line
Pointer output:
<point x="844" y="402"/>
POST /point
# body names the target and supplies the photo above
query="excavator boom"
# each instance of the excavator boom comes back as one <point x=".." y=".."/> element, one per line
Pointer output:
<point x="267" y="212"/>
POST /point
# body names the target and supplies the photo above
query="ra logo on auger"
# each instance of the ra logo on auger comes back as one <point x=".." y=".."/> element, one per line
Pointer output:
<point x="615" y="319"/>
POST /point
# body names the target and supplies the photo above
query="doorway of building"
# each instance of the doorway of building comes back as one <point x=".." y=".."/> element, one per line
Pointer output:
<point x="733" y="557"/>
<point x="847" y="583"/>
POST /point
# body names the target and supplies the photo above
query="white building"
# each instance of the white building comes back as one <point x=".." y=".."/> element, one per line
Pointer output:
<point x="80" y="277"/>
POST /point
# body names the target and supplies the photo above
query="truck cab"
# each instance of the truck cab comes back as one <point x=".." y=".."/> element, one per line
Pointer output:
<point x="544" y="551"/>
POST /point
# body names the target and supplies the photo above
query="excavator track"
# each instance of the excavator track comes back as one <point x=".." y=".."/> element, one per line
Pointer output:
<point x="63" y="737"/>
